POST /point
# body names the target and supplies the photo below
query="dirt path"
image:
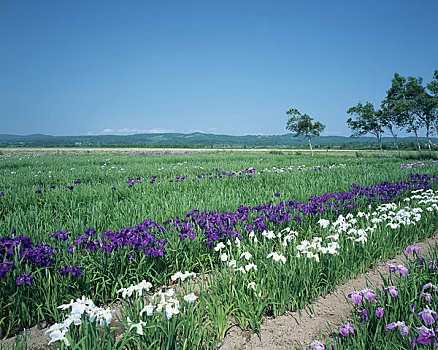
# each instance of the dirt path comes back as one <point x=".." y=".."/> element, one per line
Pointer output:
<point x="86" y="150"/>
<point x="282" y="332"/>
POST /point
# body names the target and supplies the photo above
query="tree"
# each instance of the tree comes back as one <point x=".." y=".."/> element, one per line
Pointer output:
<point x="422" y="107"/>
<point x="301" y="125"/>
<point x="433" y="89"/>
<point x="406" y="93"/>
<point x="425" y="111"/>
<point x="388" y="121"/>
<point x="390" y="117"/>
<point x="366" y="121"/>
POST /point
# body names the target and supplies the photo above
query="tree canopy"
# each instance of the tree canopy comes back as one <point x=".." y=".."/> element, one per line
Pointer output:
<point x="408" y="105"/>
<point x="302" y="125"/>
<point x="367" y="121"/>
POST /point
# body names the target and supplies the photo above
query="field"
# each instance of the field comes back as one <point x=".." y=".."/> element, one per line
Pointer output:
<point x="185" y="244"/>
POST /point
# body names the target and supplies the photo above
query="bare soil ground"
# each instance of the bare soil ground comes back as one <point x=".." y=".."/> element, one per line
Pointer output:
<point x="291" y="329"/>
<point x="94" y="150"/>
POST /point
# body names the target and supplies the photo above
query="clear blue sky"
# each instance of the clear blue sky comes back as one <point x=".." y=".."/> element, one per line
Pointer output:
<point x="77" y="67"/>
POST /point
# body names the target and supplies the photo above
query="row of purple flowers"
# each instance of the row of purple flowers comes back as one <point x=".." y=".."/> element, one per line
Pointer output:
<point x="214" y="226"/>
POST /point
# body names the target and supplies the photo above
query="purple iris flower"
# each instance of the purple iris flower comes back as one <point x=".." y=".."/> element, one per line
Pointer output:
<point x="345" y="329"/>
<point x="429" y="316"/>
<point x="394" y="268"/>
<point x="60" y="235"/>
<point x="430" y="285"/>
<point x="413" y="248"/>
<point x="393" y="291"/>
<point x="26" y="278"/>
<point x="426" y="335"/>
<point x="426" y="296"/>
<point x="52" y="187"/>
<point x="1" y="193"/>
<point x="74" y="270"/>
<point x="412" y="308"/>
<point x="404" y="330"/>
<point x="38" y="191"/>
<point x="316" y="345"/>
<point x="403" y="270"/>
<point x="433" y="264"/>
<point x="76" y="182"/>
<point x="5" y="267"/>
<point x="380" y="312"/>
<point x="364" y="314"/>
<point x="113" y="188"/>
<point x="70" y="188"/>
<point x="368" y="294"/>
<point x="356" y="296"/>
<point x="277" y="194"/>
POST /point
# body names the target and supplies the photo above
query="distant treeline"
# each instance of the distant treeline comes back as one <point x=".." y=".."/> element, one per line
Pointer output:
<point x="200" y="140"/>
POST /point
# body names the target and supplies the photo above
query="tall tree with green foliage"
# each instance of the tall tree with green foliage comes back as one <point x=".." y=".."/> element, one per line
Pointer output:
<point x="390" y="117"/>
<point x="404" y="96"/>
<point x="367" y="121"/>
<point x="433" y="89"/>
<point x="421" y="105"/>
<point x="389" y="122"/>
<point x="302" y="125"/>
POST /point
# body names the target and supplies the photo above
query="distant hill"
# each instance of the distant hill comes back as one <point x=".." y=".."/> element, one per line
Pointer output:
<point x="196" y="139"/>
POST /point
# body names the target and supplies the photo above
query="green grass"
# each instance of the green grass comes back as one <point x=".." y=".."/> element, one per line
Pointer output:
<point x="93" y="203"/>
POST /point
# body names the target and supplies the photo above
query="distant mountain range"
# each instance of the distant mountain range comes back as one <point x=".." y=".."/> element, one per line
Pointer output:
<point x="187" y="140"/>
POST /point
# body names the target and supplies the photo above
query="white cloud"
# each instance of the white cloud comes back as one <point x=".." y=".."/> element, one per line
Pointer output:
<point x="127" y="131"/>
<point x="158" y="131"/>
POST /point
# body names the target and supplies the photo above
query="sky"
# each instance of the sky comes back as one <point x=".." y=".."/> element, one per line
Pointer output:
<point x="94" y="67"/>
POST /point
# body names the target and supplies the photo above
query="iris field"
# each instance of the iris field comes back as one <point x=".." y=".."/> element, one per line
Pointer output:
<point x="187" y="244"/>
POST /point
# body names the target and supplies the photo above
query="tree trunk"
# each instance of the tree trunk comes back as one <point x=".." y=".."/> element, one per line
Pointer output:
<point x="310" y="143"/>
<point x="380" y="146"/>
<point x="380" y="143"/>
<point x="428" y="140"/>
<point x="395" y="140"/>
<point x="418" y="142"/>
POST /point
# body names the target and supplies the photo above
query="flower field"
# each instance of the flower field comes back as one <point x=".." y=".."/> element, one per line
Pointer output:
<point x="165" y="251"/>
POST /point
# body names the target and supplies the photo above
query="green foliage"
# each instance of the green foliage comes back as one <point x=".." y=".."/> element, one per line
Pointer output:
<point x="302" y="125"/>
<point x="93" y="203"/>
<point x="367" y="121"/>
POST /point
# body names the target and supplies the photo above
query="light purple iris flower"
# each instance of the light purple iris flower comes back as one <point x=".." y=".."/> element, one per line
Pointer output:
<point x="316" y="345"/>
<point x="426" y="335"/>
<point x="356" y="296"/>
<point x="344" y="330"/>
<point x="413" y="248"/>
<point x="429" y="316"/>
<point x="368" y="294"/>
<point x="430" y="285"/>
<point x="393" y="291"/>
<point x="380" y="312"/>
<point x="394" y="268"/>
<point x="404" y="330"/>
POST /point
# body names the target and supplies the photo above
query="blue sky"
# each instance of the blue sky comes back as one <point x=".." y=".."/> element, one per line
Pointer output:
<point x="73" y="67"/>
